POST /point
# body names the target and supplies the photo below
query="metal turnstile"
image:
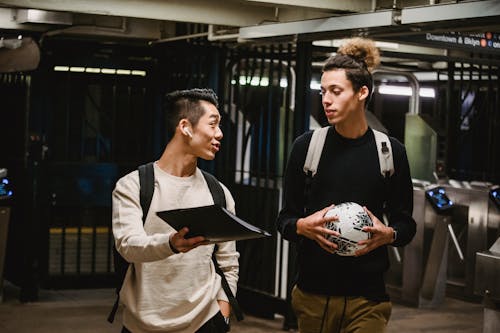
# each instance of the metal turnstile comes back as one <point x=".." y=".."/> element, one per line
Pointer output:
<point x="472" y="221"/>
<point x="487" y="285"/>
<point x="487" y="270"/>
<point x="441" y="259"/>
<point x="419" y="277"/>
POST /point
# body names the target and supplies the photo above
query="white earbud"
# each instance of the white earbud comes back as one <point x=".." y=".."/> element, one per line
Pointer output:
<point x="187" y="131"/>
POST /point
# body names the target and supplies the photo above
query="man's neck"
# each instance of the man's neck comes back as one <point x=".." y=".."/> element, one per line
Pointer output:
<point x="352" y="128"/>
<point x="176" y="161"/>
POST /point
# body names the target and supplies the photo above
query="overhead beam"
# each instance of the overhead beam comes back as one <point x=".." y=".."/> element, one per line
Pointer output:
<point x="7" y="21"/>
<point x="221" y="12"/>
<point x="334" y="5"/>
<point x="455" y="11"/>
<point x="344" y="22"/>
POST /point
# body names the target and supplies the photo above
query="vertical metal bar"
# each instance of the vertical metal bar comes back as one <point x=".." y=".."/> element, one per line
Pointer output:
<point x="78" y="255"/>
<point x="490" y="114"/>
<point x="304" y="73"/>
<point x="288" y="108"/>
<point x="268" y="125"/>
<point x="282" y="247"/>
<point x="241" y="98"/>
<point x="247" y="131"/>
<point x="68" y="115"/>
<point x="258" y="136"/>
<point x="114" y="110"/>
<point x="232" y="117"/>
<point x="93" y="256"/>
<point x="472" y="87"/>
<point x="233" y="68"/>
<point x="27" y="120"/>
<point x="278" y="121"/>
<point x="63" y="249"/>
<point x="83" y="124"/>
<point x="496" y="139"/>
<point x="452" y="117"/>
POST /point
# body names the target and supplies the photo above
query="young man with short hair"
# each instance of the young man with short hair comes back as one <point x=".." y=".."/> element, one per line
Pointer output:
<point x="172" y="285"/>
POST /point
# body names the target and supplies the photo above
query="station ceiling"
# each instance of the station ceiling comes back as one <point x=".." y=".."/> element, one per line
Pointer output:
<point x="405" y="22"/>
<point x="257" y="18"/>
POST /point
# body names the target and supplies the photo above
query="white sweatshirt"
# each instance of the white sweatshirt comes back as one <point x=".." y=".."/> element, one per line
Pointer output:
<point x="164" y="291"/>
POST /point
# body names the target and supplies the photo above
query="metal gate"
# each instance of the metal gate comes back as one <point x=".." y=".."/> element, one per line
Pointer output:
<point x="259" y="100"/>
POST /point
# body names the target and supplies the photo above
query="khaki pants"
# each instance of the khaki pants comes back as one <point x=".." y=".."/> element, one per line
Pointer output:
<point x="334" y="314"/>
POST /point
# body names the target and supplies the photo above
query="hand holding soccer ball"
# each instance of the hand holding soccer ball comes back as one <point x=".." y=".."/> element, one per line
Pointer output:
<point x="351" y="220"/>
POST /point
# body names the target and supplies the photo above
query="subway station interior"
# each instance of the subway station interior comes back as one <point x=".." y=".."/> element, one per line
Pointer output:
<point x="81" y="97"/>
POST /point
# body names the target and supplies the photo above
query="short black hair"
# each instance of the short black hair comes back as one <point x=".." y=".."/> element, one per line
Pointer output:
<point x="182" y="104"/>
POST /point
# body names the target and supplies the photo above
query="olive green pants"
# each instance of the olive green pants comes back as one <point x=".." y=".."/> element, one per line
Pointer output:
<point x="334" y="314"/>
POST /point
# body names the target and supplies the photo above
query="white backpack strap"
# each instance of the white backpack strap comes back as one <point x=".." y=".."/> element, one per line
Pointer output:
<point x="384" y="150"/>
<point x="315" y="149"/>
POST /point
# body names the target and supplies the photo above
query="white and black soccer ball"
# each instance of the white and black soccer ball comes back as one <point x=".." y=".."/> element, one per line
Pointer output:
<point x="352" y="219"/>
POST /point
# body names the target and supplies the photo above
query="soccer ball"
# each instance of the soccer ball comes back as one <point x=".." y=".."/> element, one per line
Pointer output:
<point x="352" y="218"/>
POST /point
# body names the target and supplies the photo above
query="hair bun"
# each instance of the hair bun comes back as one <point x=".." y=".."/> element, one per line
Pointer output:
<point x="362" y="50"/>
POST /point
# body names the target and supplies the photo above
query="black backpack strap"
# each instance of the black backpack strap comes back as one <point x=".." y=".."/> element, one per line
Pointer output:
<point x="225" y="285"/>
<point x="220" y="199"/>
<point x="146" y="183"/>
<point x="112" y="314"/>
<point x="215" y="189"/>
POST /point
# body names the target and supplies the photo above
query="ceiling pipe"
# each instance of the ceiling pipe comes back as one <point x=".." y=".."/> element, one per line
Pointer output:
<point x="171" y="39"/>
<point x="214" y="37"/>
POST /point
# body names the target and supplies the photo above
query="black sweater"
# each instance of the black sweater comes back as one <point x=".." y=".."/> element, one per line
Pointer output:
<point x="348" y="171"/>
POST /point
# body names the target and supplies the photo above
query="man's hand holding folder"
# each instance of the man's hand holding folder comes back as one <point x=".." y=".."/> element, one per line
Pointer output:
<point x="214" y="223"/>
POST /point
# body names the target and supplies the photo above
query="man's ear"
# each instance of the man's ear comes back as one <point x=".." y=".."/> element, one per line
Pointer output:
<point x="185" y="127"/>
<point x="363" y="93"/>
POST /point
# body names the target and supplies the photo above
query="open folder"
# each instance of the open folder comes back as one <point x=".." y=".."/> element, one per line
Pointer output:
<point x="214" y="222"/>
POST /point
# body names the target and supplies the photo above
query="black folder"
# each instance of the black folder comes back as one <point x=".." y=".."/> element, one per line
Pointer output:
<point x="214" y="222"/>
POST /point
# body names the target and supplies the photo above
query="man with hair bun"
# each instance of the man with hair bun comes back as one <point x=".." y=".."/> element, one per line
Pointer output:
<point x="171" y="284"/>
<point x="336" y="293"/>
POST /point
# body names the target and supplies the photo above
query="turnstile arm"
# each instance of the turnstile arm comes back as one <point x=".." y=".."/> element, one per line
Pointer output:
<point x="455" y="241"/>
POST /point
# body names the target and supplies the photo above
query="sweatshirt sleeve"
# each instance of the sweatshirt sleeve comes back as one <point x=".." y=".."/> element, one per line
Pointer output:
<point x="293" y="190"/>
<point x="131" y="240"/>
<point x="400" y="198"/>
<point x="227" y="256"/>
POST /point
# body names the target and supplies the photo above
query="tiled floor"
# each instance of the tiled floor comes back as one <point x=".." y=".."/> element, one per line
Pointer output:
<point x="79" y="311"/>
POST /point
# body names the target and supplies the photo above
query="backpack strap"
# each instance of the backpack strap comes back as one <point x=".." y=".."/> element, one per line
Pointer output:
<point x="384" y="150"/>
<point x="147" y="187"/>
<point x="220" y="199"/>
<point x="225" y="285"/>
<point x="215" y="189"/>
<point x="314" y="150"/>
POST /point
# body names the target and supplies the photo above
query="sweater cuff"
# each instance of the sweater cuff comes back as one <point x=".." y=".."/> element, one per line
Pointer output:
<point x="221" y="295"/>
<point x="290" y="232"/>
<point x="172" y="248"/>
